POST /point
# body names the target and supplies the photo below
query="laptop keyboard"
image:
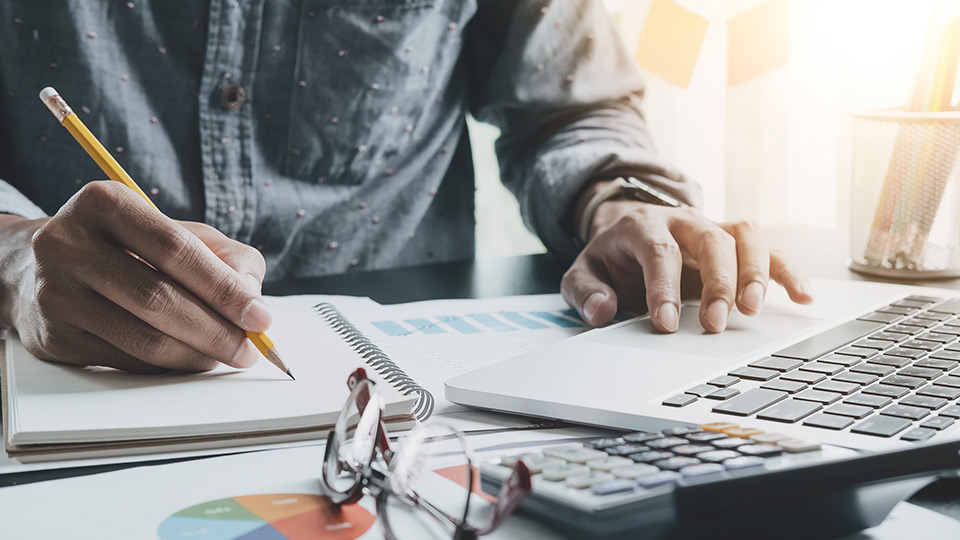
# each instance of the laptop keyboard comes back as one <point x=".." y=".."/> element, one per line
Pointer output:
<point x="892" y="372"/>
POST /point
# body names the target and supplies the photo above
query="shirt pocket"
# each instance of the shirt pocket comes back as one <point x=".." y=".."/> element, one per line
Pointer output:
<point x="363" y="69"/>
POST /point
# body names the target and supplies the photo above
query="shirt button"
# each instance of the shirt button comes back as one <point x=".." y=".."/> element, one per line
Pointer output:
<point x="232" y="97"/>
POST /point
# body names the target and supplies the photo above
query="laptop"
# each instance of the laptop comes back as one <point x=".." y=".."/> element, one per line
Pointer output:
<point x="868" y="366"/>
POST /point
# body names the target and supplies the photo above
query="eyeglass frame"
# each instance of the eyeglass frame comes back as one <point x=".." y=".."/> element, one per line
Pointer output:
<point x="375" y="481"/>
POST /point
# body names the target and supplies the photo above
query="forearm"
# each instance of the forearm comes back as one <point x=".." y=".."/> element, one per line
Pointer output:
<point x="16" y="262"/>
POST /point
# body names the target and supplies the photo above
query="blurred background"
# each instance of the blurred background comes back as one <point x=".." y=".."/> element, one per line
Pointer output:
<point x="749" y="98"/>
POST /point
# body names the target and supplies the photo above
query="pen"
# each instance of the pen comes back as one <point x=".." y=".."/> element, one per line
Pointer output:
<point x="114" y="171"/>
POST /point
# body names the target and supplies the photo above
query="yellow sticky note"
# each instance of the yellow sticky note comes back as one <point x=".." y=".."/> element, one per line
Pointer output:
<point x="758" y="42"/>
<point x="670" y="42"/>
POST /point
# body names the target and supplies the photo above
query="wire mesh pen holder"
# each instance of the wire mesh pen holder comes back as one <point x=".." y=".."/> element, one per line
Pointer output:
<point x="905" y="219"/>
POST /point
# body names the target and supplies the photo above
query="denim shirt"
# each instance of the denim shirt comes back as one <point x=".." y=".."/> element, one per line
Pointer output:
<point x="329" y="134"/>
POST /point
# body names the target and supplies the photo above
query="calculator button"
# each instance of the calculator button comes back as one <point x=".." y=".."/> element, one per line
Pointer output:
<point x="607" y="463"/>
<point x="869" y="400"/>
<point x="881" y="426"/>
<point x="717" y="456"/>
<point x="905" y="411"/>
<point x="768" y="438"/>
<point x="583" y="481"/>
<point x="724" y="393"/>
<point x="819" y="396"/>
<point x="853" y="411"/>
<point x="619" y="485"/>
<point x="729" y="443"/>
<point x="680" y="431"/>
<point x="675" y="463"/>
<point x="781" y="385"/>
<point x="754" y="374"/>
<point x="797" y="446"/>
<point x="705" y="437"/>
<point x="779" y="364"/>
<point x="626" y="449"/>
<point x="789" y="411"/>
<point x="937" y="422"/>
<point x="761" y="450"/>
<point x="750" y="402"/>
<point x="702" y="469"/>
<point x="661" y="444"/>
<point x="538" y="462"/>
<point x="658" y="479"/>
<point x="939" y="391"/>
<point x="640" y="437"/>
<point x="828" y="421"/>
<point x="718" y="427"/>
<point x="602" y="444"/>
<point x="724" y="381"/>
<point x="634" y="471"/>
<point x="561" y="472"/>
<point x="926" y="402"/>
<point x="918" y="434"/>
<point x="650" y="455"/>
<point x="743" y="432"/>
<point x="679" y="400"/>
<point x="690" y="449"/>
<point x="743" y="462"/>
<point x="574" y="454"/>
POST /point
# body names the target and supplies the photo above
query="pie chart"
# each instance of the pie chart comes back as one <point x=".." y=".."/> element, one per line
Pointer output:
<point x="274" y="516"/>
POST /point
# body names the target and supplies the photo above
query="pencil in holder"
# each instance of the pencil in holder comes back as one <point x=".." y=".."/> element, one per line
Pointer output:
<point x="905" y="219"/>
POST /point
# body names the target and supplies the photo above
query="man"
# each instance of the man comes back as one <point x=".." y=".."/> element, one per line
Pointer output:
<point x="330" y="135"/>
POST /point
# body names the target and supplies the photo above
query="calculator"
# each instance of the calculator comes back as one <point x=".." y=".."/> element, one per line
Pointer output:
<point x="693" y="479"/>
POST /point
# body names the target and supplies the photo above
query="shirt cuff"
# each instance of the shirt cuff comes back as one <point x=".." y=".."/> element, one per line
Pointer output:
<point x="14" y="202"/>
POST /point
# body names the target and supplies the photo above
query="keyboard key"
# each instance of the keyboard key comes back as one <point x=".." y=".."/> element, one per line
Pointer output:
<point x="640" y="436"/>
<point x="601" y="444"/>
<point x="807" y="377"/>
<point x="650" y="455"/>
<point x="626" y="449"/>
<point x="702" y="469"/>
<point x="798" y="446"/>
<point x="743" y="432"/>
<point x="885" y="390"/>
<point x="862" y="379"/>
<point x="761" y="450"/>
<point x="839" y="387"/>
<point x="921" y="345"/>
<point x="828" y="421"/>
<point x="819" y="396"/>
<point x="893" y="361"/>
<point x="717" y="427"/>
<point x="701" y="390"/>
<point x="705" y="437"/>
<point x="659" y="479"/>
<point x="920" y="323"/>
<point x="853" y="411"/>
<point x="934" y="314"/>
<point x="918" y="434"/>
<point x="573" y="454"/>
<point x="718" y="456"/>
<point x="729" y="443"/>
<point x="951" y="306"/>
<point x="680" y="431"/>
<point x="675" y="463"/>
<point x="723" y="381"/>
<point x="583" y="481"/>
<point x="634" y="471"/>
<point x="744" y="462"/>
<point x="824" y="342"/>
<point x="946" y="355"/>
<point x="781" y="385"/>
<point x="904" y="329"/>
<point x="889" y="336"/>
<point x="927" y="402"/>
<point x="768" y="438"/>
<point x="789" y="411"/>
<point x="873" y="343"/>
<point x="873" y="369"/>
<point x="952" y="411"/>
<point x="690" y="449"/>
<point x="905" y="411"/>
<point x="937" y="422"/>
<point x="680" y="400"/>
<point x="906" y="382"/>
<point x="607" y="463"/>
<point x="820" y="367"/>
<point x="944" y="392"/>
<point x="666" y="442"/>
<point x="922" y="372"/>
<point x="909" y="303"/>
<point x="561" y="472"/>
<point x="897" y="310"/>
<point x="868" y="400"/>
<point x="754" y="374"/>
<point x="948" y="328"/>
<point x="750" y="402"/>
<point x="724" y="393"/>
<point x="923" y="299"/>
<point x="933" y="335"/>
<point x="913" y="354"/>
<point x="936" y="363"/>
<point x="879" y="317"/>
<point x="950" y="380"/>
<point x="619" y="485"/>
<point x="856" y="351"/>
<point x="840" y="359"/>
<point x="779" y="364"/>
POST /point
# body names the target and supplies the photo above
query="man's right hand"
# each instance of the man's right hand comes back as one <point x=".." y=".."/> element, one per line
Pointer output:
<point x="75" y="294"/>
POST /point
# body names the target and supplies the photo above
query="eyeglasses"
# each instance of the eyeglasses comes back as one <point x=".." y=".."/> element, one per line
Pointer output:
<point x="423" y="487"/>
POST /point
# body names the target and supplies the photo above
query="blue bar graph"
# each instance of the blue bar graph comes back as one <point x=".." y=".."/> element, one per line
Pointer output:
<point x="459" y="324"/>
<point x="522" y="321"/>
<point x="491" y="322"/>
<point x="391" y="328"/>
<point x="556" y="319"/>
<point x="425" y="326"/>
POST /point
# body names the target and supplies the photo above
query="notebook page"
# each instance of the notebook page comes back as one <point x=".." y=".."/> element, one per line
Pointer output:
<point x="56" y="403"/>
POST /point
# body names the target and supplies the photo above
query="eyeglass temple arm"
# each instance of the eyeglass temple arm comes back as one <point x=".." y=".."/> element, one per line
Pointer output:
<point x="512" y="492"/>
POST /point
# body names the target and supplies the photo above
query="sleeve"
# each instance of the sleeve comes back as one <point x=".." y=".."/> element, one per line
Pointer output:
<point x="14" y="202"/>
<point x="555" y="77"/>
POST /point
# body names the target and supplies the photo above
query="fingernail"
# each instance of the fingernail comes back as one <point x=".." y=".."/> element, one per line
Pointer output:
<point x="806" y="287"/>
<point x="256" y="317"/>
<point x="716" y="315"/>
<point x="669" y="316"/>
<point x="591" y="305"/>
<point x="752" y="296"/>
<point x="247" y="355"/>
<point x="254" y="283"/>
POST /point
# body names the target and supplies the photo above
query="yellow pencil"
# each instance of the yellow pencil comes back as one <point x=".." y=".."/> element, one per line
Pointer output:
<point x="114" y="171"/>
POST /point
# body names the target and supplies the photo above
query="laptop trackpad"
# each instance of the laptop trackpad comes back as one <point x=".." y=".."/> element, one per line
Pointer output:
<point x="743" y="334"/>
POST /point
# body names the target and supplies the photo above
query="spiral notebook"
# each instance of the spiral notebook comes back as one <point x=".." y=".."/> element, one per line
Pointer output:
<point x="54" y="411"/>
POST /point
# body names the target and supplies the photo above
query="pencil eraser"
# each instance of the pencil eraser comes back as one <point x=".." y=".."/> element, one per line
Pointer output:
<point x="47" y="93"/>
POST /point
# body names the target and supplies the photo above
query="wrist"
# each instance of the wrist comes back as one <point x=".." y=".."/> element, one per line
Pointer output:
<point x="16" y="263"/>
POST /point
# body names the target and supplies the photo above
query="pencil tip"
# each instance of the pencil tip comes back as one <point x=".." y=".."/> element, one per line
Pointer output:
<point x="291" y="375"/>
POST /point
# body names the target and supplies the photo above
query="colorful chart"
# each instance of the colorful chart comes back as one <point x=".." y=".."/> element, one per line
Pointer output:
<point x="275" y="516"/>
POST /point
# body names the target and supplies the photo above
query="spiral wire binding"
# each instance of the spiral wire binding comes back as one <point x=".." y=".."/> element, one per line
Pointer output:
<point x="374" y="357"/>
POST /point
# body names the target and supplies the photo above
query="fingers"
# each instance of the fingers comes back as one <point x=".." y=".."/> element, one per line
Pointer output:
<point x="174" y="251"/>
<point x="661" y="262"/>
<point x="245" y="260"/>
<point x="781" y="270"/>
<point x="715" y="252"/>
<point x="753" y="265"/>
<point x="585" y="290"/>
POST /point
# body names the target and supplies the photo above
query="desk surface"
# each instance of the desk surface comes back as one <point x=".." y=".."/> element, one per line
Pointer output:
<point x="821" y="252"/>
